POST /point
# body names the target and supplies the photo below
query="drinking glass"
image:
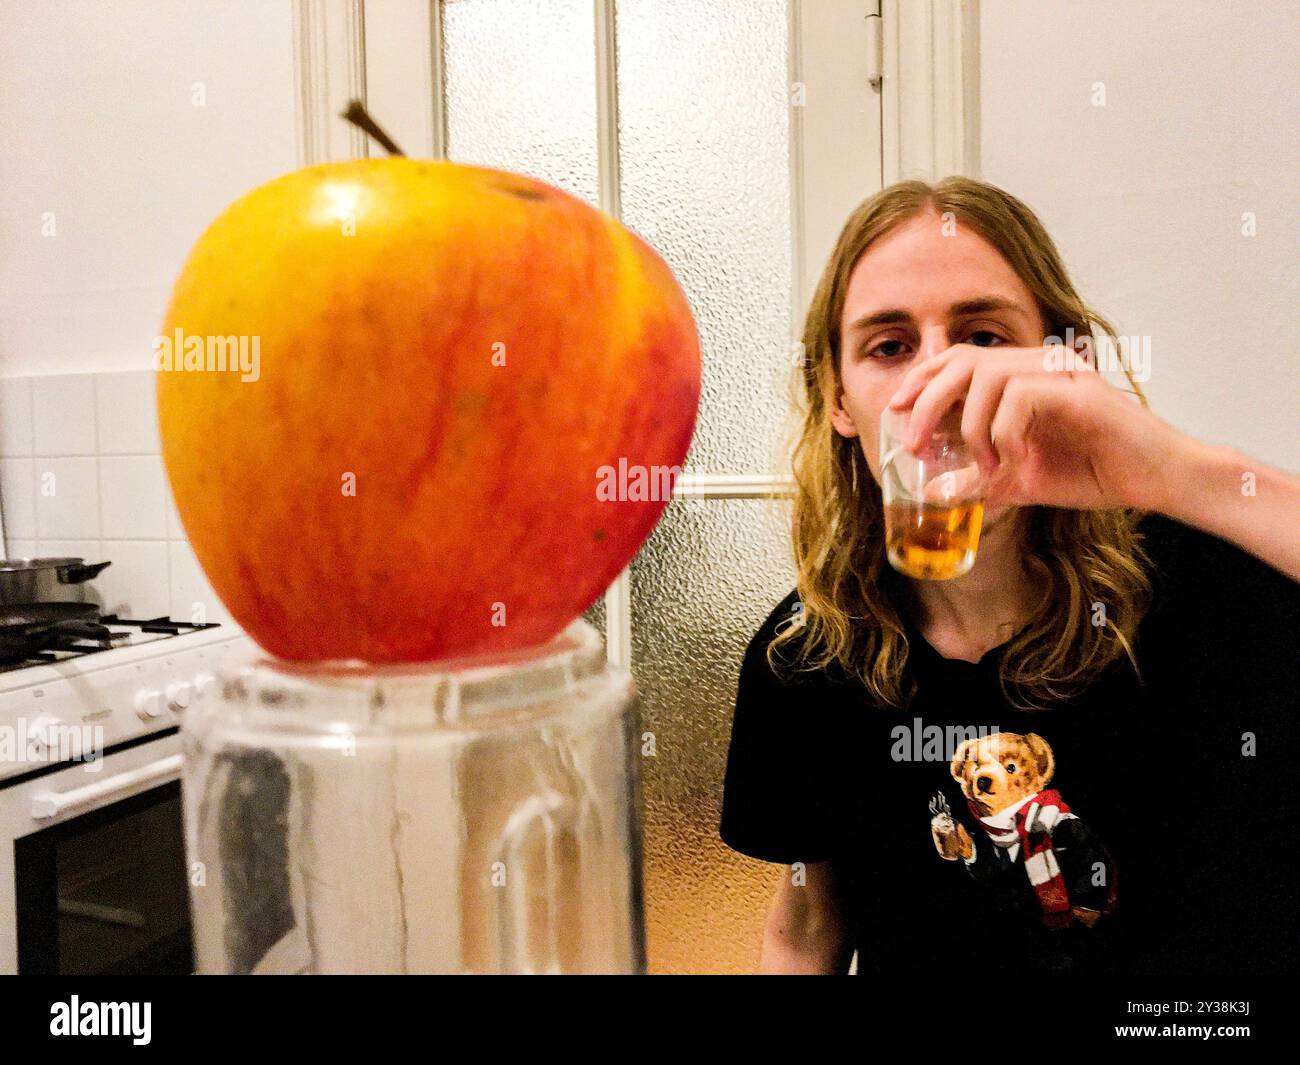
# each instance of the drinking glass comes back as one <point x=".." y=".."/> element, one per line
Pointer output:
<point x="933" y="499"/>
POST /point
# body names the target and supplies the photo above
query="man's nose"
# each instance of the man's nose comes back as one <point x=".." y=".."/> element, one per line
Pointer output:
<point x="934" y="339"/>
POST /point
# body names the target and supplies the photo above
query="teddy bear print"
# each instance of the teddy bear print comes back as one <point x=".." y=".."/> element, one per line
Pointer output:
<point x="1030" y="848"/>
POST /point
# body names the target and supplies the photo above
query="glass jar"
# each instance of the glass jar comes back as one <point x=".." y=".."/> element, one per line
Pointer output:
<point x="477" y="815"/>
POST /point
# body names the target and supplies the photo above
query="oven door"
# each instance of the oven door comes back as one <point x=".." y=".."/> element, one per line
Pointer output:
<point x="92" y="867"/>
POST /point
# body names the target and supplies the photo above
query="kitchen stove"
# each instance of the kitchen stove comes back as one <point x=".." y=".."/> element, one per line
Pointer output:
<point x="93" y="875"/>
<point x="133" y="678"/>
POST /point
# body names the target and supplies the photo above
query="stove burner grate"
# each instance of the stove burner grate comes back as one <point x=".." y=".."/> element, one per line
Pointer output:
<point x="81" y="637"/>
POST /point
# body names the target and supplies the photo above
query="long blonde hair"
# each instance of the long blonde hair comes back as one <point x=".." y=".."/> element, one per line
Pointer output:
<point x="850" y="596"/>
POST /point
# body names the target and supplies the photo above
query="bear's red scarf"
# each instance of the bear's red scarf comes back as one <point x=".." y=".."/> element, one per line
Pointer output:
<point x="1053" y="895"/>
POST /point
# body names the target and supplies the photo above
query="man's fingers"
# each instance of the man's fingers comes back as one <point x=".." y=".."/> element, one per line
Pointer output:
<point x="940" y="394"/>
<point x="978" y="410"/>
<point x="917" y="377"/>
<point x="1024" y="401"/>
<point x="954" y="486"/>
<point x="1011" y="423"/>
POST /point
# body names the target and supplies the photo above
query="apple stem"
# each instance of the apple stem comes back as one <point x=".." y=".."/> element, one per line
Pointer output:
<point x="360" y="117"/>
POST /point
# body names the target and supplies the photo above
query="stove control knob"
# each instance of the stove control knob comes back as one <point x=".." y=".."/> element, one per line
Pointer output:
<point x="149" y="703"/>
<point x="43" y="732"/>
<point x="204" y="683"/>
<point x="180" y="694"/>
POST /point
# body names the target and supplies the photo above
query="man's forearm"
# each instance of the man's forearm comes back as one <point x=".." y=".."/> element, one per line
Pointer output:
<point x="1218" y="489"/>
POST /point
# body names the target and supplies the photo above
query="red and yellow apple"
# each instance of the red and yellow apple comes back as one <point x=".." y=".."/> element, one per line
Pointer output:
<point x="460" y="390"/>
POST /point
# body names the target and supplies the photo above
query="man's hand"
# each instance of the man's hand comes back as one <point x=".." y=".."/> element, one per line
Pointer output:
<point x="1044" y="426"/>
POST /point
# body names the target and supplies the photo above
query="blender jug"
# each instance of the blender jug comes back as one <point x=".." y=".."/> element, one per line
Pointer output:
<point x="466" y="816"/>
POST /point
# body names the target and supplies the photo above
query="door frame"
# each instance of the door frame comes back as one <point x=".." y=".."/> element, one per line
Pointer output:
<point x="931" y="61"/>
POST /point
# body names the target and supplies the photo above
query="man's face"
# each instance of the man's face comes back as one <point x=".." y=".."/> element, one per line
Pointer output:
<point x="922" y="273"/>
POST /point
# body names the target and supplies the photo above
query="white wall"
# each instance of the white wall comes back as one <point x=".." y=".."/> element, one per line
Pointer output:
<point x="1145" y="195"/>
<point x="81" y="475"/>
<point x="102" y="136"/>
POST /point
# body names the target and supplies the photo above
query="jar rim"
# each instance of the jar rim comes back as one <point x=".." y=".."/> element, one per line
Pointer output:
<point x="571" y="664"/>
<point x="576" y="639"/>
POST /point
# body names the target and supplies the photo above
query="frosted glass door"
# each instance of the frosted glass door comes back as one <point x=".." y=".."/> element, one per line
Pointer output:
<point x="734" y="136"/>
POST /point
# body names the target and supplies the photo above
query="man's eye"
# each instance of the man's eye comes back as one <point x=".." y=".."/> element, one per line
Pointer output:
<point x="878" y="351"/>
<point x="984" y="333"/>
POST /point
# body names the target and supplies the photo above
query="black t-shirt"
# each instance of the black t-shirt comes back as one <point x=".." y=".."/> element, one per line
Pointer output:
<point x="1145" y="827"/>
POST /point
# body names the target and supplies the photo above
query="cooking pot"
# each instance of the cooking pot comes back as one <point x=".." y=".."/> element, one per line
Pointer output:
<point x="45" y="580"/>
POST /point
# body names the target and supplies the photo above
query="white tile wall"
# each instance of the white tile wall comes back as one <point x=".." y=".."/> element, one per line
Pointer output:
<point x="125" y="415"/>
<point x="81" y="474"/>
<point x="129" y="587"/>
<point x="63" y="415"/>
<point x="16" y="416"/>
<point x="18" y="497"/>
<point x="67" y="497"/>
<point x="192" y="596"/>
<point x="132" y="497"/>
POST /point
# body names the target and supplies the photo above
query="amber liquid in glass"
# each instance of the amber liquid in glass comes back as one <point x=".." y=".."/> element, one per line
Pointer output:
<point x="930" y="541"/>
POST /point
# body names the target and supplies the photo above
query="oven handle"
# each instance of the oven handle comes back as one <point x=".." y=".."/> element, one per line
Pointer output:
<point x="47" y="804"/>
